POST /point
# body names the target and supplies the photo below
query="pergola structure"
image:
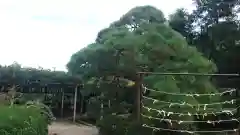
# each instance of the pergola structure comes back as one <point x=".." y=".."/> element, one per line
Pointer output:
<point x="31" y="80"/>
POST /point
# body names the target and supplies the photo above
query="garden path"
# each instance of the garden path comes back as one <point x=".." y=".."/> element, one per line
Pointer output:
<point x="65" y="128"/>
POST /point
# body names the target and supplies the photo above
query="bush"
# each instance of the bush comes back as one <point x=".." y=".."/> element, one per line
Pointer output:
<point x="115" y="125"/>
<point x="22" y="120"/>
<point x="44" y="110"/>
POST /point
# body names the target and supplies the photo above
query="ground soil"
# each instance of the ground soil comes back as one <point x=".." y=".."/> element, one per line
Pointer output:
<point x="65" y="128"/>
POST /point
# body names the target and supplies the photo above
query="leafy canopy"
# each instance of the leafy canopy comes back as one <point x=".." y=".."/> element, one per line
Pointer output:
<point x="121" y="51"/>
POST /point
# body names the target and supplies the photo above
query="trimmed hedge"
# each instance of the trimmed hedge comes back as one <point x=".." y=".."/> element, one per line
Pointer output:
<point x="22" y="120"/>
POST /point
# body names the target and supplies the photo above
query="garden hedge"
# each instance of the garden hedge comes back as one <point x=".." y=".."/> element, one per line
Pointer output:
<point x="22" y="120"/>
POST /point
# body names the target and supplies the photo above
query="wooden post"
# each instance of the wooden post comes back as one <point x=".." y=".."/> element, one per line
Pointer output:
<point x="109" y="103"/>
<point x="101" y="106"/>
<point x="75" y="104"/>
<point x="82" y="103"/>
<point x="62" y="104"/>
<point x="238" y="110"/>
<point x="139" y="97"/>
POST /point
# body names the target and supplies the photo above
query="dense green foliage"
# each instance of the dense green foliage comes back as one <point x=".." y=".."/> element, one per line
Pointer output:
<point x="15" y="74"/>
<point x="215" y="30"/>
<point x="19" y="85"/>
<point x="22" y="120"/>
<point x="43" y="110"/>
<point x="140" y="41"/>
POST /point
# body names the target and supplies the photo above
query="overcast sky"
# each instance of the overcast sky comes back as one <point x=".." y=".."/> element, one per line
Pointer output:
<point x="47" y="32"/>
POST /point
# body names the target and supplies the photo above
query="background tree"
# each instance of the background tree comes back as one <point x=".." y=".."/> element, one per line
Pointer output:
<point x="181" y="21"/>
<point x="216" y="27"/>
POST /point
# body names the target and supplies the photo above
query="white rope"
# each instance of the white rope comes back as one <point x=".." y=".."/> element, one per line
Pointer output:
<point x="191" y="95"/>
<point x="194" y="121"/>
<point x="164" y="113"/>
<point x="188" y="131"/>
<point x="187" y="104"/>
<point x="190" y="114"/>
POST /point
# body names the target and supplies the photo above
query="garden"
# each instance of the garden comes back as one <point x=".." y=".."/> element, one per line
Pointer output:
<point x="144" y="74"/>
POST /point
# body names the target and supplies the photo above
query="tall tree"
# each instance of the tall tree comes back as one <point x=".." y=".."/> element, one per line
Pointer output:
<point x="139" y="15"/>
<point x="150" y="45"/>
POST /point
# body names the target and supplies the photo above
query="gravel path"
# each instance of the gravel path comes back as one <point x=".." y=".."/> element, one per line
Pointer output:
<point x="63" y="128"/>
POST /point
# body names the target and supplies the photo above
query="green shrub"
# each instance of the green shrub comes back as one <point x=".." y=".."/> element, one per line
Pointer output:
<point x="115" y="125"/>
<point x="22" y="120"/>
<point x="44" y="110"/>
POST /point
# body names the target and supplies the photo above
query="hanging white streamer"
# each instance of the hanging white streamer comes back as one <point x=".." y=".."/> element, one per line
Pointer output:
<point x="163" y="112"/>
<point x="191" y="95"/>
<point x="188" y="131"/>
<point x="187" y="104"/>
